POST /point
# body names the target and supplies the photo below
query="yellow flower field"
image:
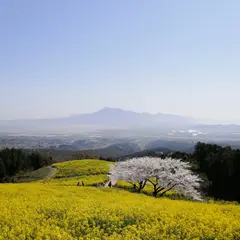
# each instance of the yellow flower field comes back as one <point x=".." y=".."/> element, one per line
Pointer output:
<point x="49" y="210"/>
<point x="81" y="168"/>
<point x="72" y="181"/>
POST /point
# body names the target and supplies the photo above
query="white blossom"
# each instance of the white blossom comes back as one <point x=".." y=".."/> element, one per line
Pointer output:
<point x="168" y="174"/>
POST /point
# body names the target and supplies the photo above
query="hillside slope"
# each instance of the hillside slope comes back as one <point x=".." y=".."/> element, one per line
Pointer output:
<point x="154" y="152"/>
<point x="113" y="151"/>
<point x="81" y="172"/>
<point x="53" y="211"/>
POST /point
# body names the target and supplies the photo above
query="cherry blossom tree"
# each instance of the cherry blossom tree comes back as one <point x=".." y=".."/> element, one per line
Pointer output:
<point x="164" y="175"/>
<point x="130" y="172"/>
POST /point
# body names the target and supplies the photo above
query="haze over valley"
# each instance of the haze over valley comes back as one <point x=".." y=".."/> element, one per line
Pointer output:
<point x="110" y="126"/>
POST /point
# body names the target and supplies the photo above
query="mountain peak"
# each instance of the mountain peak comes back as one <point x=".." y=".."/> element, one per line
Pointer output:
<point x="112" y="110"/>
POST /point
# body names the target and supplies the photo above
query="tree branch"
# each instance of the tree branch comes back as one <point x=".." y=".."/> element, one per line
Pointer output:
<point x="168" y="189"/>
<point x="145" y="181"/>
<point x="159" y="189"/>
<point x="154" y="184"/>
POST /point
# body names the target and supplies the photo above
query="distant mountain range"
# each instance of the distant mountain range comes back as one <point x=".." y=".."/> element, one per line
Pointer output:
<point x="104" y="118"/>
<point x="119" y="117"/>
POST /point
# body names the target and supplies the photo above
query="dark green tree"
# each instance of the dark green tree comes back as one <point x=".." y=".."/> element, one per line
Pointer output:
<point x="2" y="170"/>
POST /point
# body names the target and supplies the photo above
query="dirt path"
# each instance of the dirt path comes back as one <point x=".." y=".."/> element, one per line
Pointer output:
<point x="52" y="171"/>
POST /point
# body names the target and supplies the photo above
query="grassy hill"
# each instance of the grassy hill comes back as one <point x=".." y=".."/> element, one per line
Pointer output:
<point x="88" y="171"/>
<point x="58" y="209"/>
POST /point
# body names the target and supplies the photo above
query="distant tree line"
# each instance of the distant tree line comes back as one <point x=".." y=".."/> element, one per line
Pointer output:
<point x="13" y="161"/>
<point x="221" y="166"/>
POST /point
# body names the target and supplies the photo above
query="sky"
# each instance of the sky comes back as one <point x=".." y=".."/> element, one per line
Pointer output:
<point x="64" y="57"/>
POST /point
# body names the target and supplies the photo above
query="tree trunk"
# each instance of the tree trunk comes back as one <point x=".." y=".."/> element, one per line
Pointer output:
<point x="154" y="194"/>
<point x="167" y="190"/>
<point x="141" y="185"/>
<point x="155" y="190"/>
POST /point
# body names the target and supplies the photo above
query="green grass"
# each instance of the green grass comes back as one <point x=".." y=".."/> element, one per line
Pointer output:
<point x="81" y="168"/>
<point x="36" y="175"/>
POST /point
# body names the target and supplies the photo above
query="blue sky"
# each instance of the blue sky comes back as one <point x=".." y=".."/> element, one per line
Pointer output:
<point x="61" y="57"/>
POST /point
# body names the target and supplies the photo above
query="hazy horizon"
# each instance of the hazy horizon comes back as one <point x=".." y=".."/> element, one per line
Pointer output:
<point x="60" y="58"/>
<point x="200" y="120"/>
<point x="100" y="109"/>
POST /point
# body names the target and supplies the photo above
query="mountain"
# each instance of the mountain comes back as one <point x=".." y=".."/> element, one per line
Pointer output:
<point x="122" y="118"/>
<point x="104" y="118"/>
<point x="154" y="152"/>
<point x="113" y="151"/>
